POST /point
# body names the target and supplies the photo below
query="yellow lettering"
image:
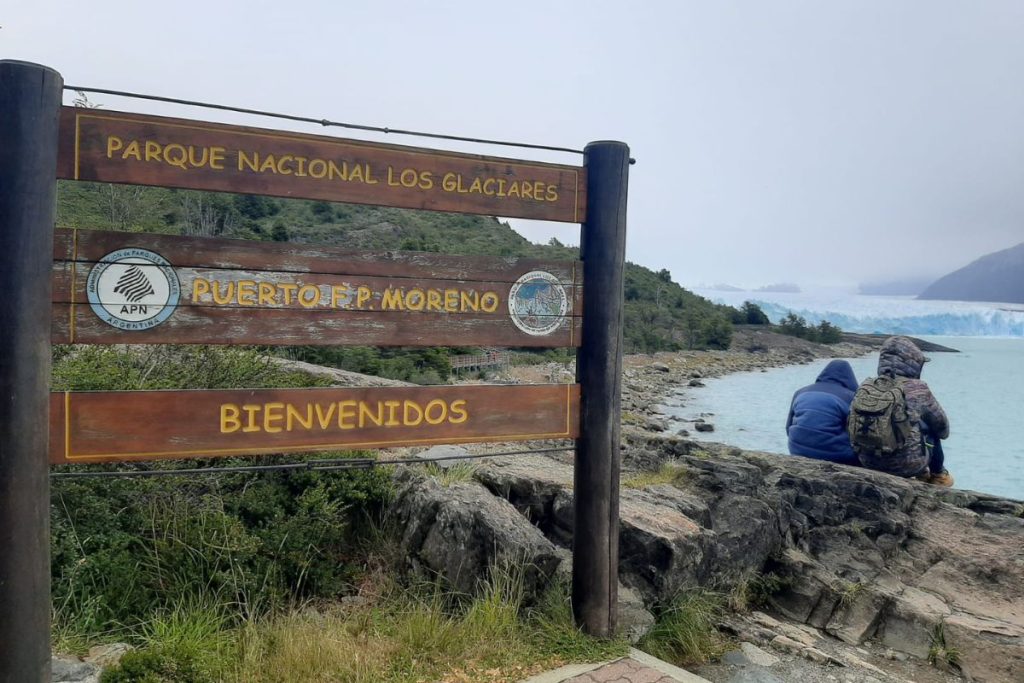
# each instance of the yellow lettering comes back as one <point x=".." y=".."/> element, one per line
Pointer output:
<point x="366" y="416"/>
<point x="132" y="150"/>
<point x="284" y="164"/>
<point x="229" y="422"/>
<point x="340" y="295"/>
<point x="448" y="182"/>
<point x="392" y="407"/>
<point x="217" y="158"/>
<point x="451" y="300"/>
<point x="356" y="174"/>
<point x="251" y="424"/>
<point x="153" y="151"/>
<point x="266" y="295"/>
<point x="370" y="180"/>
<point x="513" y="189"/>
<point x="176" y="155"/>
<point x="293" y="415"/>
<point x="333" y="170"/>
<point x="325" y="420"/>
<point x="363" y="294"/>
<point x="271" y="414"/>
<point x="318" y="168"/>
<point x="426" y="180"/>
<point x="501" y="187"/>
<point x="301" y="170"/>
<point x="229" y="292"/>
<point x="489" y="302"/>
<point x="476" y="186"/>
<point x="433" y="300"/>
<point x="289" y="290"/>
<point x="441" y="416"/>
<point x="458" y="184"/>
<point x="459" y="407"/>
<point x="114" y="144"/>
<point x="309" y="296"/>
<point x="192" y="156"/>
<point x="200" y="286"/>
<point x="392" y="300"/>
<point x="414" y="299"/>
<point x="246" y="293"/>
<point x="489" y="183"/>
<point x="538" y="187"/>
<point x="346" y="410"/>
<point x="269" y="164"/>
<point x="244" y="160"/>
<point x="469" y="301"/>
<point x="406" y="419"/>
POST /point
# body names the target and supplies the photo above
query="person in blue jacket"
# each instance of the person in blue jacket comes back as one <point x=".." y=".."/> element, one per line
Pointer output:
<point x="817" y="416"/>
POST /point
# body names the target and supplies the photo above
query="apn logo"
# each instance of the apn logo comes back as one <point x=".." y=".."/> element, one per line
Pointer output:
<point x="133" y="289"/>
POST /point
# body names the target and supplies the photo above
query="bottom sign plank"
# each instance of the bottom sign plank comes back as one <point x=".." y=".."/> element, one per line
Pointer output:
<point x="90" y="427"/>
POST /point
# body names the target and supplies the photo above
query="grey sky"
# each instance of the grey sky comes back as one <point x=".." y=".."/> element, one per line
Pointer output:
<point x="816" y="142"/>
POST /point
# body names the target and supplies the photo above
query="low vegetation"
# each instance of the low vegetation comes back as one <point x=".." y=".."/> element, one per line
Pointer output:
<point x="685" y="632"/>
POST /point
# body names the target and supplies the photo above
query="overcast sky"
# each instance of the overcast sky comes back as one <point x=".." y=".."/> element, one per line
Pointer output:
<point x="816" y="142"/>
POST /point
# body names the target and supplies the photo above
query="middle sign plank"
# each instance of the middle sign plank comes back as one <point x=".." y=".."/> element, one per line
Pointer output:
<point x="133" y="288"/>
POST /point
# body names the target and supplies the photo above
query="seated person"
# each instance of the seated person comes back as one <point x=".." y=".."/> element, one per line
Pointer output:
<point x="817" y="416"/>
<point x="921" y="454"/>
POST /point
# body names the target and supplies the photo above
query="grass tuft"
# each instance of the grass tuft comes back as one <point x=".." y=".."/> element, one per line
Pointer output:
<point x="685" y="632"/>
<point x="666" y="474"/>
<point x="453" y="474"/>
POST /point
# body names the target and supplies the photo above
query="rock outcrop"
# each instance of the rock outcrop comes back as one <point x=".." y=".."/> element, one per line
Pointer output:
<point x="858" y="555"/>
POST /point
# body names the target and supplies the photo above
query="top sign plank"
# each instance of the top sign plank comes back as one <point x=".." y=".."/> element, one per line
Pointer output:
<point x="138" y="149"/>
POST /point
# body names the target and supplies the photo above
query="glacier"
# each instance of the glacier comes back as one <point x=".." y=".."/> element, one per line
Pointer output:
<point x="884" y="314"/>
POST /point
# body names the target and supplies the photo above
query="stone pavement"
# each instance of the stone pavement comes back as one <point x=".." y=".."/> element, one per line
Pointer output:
<point x="638" y="667"/>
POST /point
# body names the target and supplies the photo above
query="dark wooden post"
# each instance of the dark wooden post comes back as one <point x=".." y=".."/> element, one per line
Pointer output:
<point x="30" y="98"/>
<point x="595" y="567"/>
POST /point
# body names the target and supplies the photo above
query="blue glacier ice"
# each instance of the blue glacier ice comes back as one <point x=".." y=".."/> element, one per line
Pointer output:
<point x="885" y="314"/>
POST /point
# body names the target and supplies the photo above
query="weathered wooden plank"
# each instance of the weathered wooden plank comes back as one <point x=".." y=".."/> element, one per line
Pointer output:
<point x="230" y="254"/>
<point x="288" y="327"/>
<point x="146" y="425"/>
<point x="116" y="288"/>
<point x="140" y="149"/>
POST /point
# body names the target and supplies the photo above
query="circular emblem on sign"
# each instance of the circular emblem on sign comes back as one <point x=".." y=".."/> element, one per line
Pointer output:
<point x="133" y="289"/>
<point x="537" y="303"/>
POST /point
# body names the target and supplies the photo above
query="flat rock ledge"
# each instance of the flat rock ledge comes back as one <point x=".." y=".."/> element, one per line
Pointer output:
<point x="853" y="556"/>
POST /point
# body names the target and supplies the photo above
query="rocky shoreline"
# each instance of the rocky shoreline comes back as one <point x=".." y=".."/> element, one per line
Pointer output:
<point x="860" y="577"/>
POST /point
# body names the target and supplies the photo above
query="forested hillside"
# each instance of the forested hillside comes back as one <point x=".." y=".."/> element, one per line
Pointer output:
<point x="660" y="315"/>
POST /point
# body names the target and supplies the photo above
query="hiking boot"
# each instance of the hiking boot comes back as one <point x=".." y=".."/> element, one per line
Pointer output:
<point x="943" y="478"/>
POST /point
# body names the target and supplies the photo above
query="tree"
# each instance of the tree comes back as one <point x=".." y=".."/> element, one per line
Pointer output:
<point x="753" y="314"/>
<point x="828" y="333"/>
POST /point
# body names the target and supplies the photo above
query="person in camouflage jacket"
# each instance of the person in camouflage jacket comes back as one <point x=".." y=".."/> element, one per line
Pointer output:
<point x="921" y="455"/>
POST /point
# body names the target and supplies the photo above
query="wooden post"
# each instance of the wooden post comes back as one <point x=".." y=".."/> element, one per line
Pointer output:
<point x="30" y="98"/>
<point x="595" y="568"/>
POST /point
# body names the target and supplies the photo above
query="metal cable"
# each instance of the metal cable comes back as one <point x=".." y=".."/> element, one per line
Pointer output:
<point x="310" y="465"/>
<point x="321" y="122"/>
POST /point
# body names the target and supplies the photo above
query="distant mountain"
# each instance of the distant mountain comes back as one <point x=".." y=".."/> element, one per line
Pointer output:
<point x="998" y="277"/>
<point x="907" y="287"/>
<point x="780" y="288"/>
<point x="723" y="287"/>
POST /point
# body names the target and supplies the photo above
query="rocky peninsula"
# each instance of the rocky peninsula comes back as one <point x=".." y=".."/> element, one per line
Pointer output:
<point x="833" y="573"/>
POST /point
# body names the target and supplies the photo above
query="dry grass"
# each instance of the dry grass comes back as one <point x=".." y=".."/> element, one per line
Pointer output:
<point x="666" y="474"/>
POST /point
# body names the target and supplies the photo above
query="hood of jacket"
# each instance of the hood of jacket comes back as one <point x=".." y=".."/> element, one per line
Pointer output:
<point x="839" y="372"/>
<point x="901" y="357"/>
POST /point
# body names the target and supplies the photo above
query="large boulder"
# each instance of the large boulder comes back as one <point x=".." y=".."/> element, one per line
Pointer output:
<point x="460" y="532"/>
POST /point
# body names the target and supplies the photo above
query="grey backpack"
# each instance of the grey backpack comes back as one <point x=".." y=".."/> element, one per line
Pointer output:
<point x="879" y="422"/>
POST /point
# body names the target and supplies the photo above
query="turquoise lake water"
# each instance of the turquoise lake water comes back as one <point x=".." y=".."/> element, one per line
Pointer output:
<point x="981" y="390"/>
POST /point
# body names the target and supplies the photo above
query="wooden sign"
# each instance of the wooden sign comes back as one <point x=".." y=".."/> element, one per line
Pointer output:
<point x="144" y="425"/>
<point x="152" y="150"/>
<point x="132" y="288"/>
